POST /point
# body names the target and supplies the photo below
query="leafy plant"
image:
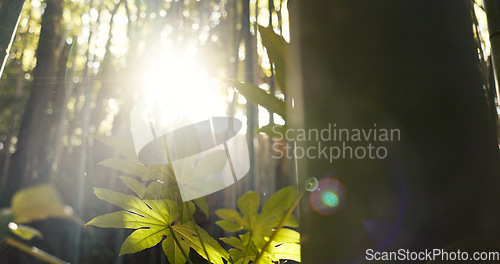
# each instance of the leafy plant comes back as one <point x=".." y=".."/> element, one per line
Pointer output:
<point x="154" y="219"/>
<point x="277" y="48"/>
<point x="263" y="233"/>
<point x="158" y="215"/>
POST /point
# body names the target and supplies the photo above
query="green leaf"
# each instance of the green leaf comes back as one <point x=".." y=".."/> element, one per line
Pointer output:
<point x="233" y="241"/>
<point x="202" y="204"/>
<point x="186" y="210"/>
<point x="123" y="219"/>
<point x="277" y="49"/>
<point x="172" y="251"/>
<point x="151" y="218"/>
<point x="6" y="217"/>
<point x="142" y="239"/>
<point x="260" y="228"/>
<point x="154" y="219"/>
<point x="229" y="214"/>
<point x="248" y="204"/>
<point x="286" y="235"/>
<point x="291" y="221"/>
<point x="286" y="245"/>
<point x="287" y="251"/>
<point x="278" y="203"/>
<point x="189" y="239"/>
<point x="125" y="147"/>
<point x="192" y="174"/>
<point x="229" y="226"/>
<point x="24" y="232"/>
<point x="256" y="95"/>
<point x="157" y="190"/>
<point x="137" y="187"/>
<point x="38" y="203"/>
<point x="161" y="211"/>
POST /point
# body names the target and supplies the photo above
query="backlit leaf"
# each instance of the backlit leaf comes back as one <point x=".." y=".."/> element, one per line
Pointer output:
<point x="137" y="187"/>
<point x="24" y="232"/>
<point x="277" y="49"/>
<point x="38" y="203"/>
<point x="124" y="147"/>
<point x="256" y="95"/>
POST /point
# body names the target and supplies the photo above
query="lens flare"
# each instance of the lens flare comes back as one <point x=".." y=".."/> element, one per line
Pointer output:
<point x="328" y="197"/>
<point x="311" y="184"/>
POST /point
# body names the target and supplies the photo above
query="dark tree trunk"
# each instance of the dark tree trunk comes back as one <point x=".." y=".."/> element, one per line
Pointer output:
<point x="412" y="66"/>
<point x="35" y="125"/>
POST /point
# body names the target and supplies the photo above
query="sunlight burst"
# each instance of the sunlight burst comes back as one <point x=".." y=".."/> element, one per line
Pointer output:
<point x="177" y="90"/>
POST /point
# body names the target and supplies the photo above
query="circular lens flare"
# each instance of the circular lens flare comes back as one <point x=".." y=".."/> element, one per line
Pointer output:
<point x="311" y="184"/>
<point x="328" y="197"/>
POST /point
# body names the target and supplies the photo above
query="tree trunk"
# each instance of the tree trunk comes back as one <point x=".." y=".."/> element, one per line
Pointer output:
<point x="407" y="65"/>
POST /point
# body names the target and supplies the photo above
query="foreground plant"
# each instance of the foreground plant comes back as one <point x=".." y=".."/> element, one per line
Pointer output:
<point x="158" y="215"/>
<point x="264" y="240"/>
<point x="35" y="203"/>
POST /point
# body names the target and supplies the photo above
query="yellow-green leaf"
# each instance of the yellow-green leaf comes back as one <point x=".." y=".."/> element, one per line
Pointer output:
<point x="24" y="232"/>
<point x="38" y="203"/>
<point x="137" y="187"/>
<point x="277" y="49"/>
<point x="188" y="237"/>
<point x="256" y="95"/>
<point x="125" y="147"/>
<point x="142" y="239"/>
<point x="229" y="226"/>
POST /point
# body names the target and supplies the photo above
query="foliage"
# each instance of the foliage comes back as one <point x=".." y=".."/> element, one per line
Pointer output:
<point x="260" y="227"/>
<point x="277" y="49"/>
<point x="154" y="219"/>
<point x="158" y="215"/>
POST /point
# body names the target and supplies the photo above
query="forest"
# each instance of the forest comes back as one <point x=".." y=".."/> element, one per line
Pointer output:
<point x="191" y="131"/>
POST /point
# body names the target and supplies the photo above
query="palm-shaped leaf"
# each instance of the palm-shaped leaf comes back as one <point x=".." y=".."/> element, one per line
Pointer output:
<point x="261" y="226"/>
<point x="154" y="220"/>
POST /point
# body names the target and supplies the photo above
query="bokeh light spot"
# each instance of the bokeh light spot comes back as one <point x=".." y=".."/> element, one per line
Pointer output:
<point x="311" y="184"/>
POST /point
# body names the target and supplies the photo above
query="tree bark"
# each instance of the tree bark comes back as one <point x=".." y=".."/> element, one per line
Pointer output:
<point x="407" y="65"/>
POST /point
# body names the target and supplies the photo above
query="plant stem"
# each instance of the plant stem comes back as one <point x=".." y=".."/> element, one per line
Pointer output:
<point x="170" y="164"/>
<point x="179" y="244"/>
<point x="248" y="246"/>
<point x="280" y="225"/>
<point x="198" y="234"/>
<point x="34" y="251"/>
